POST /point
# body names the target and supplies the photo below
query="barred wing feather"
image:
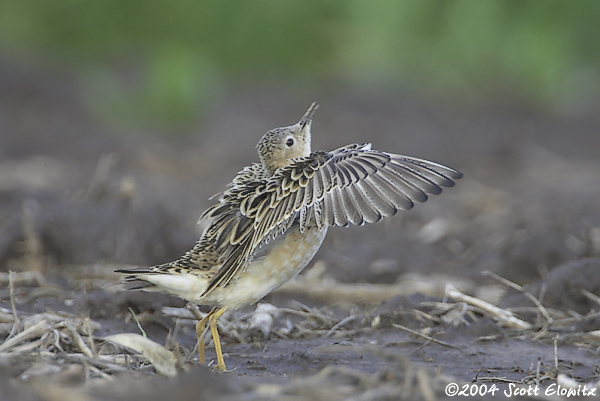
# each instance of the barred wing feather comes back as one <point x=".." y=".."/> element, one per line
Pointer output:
<point x="351" y="185"/>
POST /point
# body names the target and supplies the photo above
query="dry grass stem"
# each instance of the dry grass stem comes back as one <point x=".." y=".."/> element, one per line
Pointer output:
<point x="79" y="340"/>
<point x="505" y="317"/>
<point x="554" y="313"/>
<point x="340" y="324"/>
<point x="180" y="313"/>
<point x="105" y="362"/>
<point x="30" y="346"/>
<point x="139" y="325"/>
<point x="163" y="360"/>
<point x="517" y="287"/>
<point x="37" y="330"/>
<point x="592" y="297"/>
<point x="421" y="315"/>
<point x="425" y="336"/>
<point x="568" y="321"/>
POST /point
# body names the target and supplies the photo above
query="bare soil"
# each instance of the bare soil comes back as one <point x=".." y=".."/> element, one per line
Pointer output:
<point x="80" y="197"/>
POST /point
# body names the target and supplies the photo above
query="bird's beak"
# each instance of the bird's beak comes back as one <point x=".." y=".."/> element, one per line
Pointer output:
<point x="307" y="117"/>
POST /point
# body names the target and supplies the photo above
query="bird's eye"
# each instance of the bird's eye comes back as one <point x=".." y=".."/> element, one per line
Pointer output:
<point x="289" y="142"/>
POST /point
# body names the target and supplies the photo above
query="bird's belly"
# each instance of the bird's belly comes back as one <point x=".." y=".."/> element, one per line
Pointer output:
<point x="284" y="259"/>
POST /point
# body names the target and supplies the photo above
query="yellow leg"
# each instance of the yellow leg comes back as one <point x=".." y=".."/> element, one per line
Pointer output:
<point x="200" y="326"/>
<point x="215" y="335"/>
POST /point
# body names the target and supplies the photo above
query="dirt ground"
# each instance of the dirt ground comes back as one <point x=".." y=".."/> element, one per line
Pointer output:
<point x="380" y="314"/>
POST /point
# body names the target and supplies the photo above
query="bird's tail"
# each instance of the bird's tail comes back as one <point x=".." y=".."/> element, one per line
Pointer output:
<point x="134" y="278"/>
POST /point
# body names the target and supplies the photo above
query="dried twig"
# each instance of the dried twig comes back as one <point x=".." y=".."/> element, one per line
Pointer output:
<point x="180" y="313"/>
<point x="103" y="361"/>
<point x="30" y="346"/>
<point x="79" y="341"/>
<point x="556" y="314"/>
<point x="590" y="296"/>
<point x="316" y="314"/>
<point x="499" y="379"/>
<point x="37" y="330"/>
<point x="97" y="371"/>
<point x="340" y="324"/>
<point x="502" y="315"/>
<point x="570" y="320"/>
<point x="425" y="336"/>
<point x="517" y="287"/>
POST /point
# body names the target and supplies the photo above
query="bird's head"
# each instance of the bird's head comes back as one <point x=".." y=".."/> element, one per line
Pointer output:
<point x="279" y="145"/>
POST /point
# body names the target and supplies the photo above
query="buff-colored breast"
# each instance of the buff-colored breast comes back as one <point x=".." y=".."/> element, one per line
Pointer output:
<point x="281" y="260"/>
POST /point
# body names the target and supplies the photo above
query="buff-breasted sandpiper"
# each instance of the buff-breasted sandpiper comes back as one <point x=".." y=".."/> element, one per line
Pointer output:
<point x="270" y="222"/>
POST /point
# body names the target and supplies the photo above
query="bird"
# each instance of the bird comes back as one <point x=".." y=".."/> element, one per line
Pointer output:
<point x="267" y="225"/>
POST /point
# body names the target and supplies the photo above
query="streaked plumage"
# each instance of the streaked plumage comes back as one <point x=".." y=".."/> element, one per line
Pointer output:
<point x="272" y="219"/>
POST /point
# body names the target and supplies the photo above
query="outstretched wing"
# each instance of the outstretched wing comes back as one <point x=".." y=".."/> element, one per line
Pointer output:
<point x="351" y="185"/>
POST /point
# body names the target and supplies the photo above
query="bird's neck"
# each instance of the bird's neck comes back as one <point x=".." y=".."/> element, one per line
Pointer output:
<point x="271" y="166"/>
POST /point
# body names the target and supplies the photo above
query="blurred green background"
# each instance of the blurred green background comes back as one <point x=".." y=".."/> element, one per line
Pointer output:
<point x="151" y="62"/>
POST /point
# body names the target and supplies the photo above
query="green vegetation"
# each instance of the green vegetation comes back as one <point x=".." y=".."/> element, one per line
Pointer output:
<point x="170" y="58"/>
